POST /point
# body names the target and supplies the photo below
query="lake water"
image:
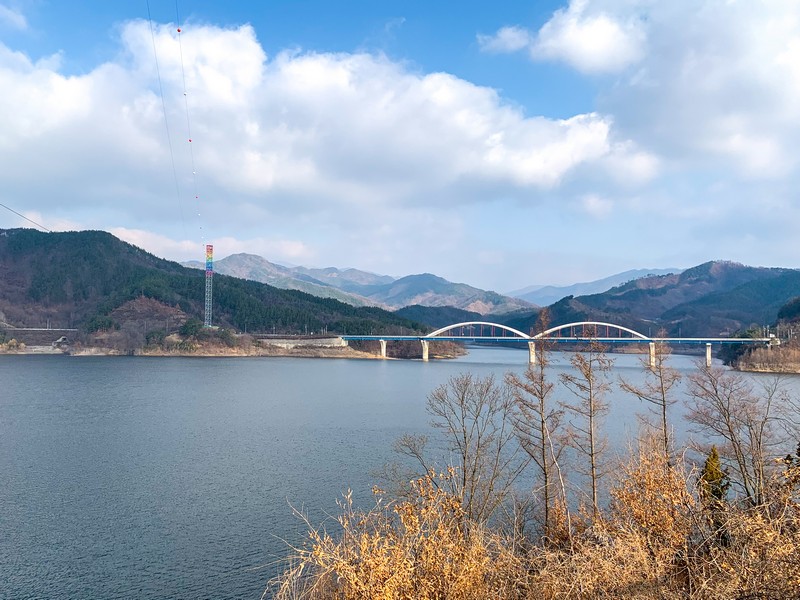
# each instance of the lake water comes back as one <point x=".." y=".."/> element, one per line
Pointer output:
<point x="126" y="477"/>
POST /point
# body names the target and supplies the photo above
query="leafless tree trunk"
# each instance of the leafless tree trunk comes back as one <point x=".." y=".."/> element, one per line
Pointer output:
<point x="725" y="406"/>
<point x="656" y="390"/>
<point x="589" y="385"/>
<point x="475" y="416"/>
<point x="538" y="423"/>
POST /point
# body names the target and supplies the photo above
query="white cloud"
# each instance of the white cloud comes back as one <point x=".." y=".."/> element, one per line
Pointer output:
<point x="12" y="18"/>
<point x="32" y="218"/>
<point x="631" y="166"/>
<point x="719" y="88"/>
<point x="596" y="206"/>
<point x="301" y="134"/>
<point x="590" y="39"/>
<point x="161" y="245"/>
<point x="507" y="39"/>
<point x="700" y="85"/>
<point x="342" y="158"/>
<point x="583" y="35"/>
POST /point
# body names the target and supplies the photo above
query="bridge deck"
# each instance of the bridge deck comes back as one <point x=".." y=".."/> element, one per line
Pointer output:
<point x="560" y="340"/>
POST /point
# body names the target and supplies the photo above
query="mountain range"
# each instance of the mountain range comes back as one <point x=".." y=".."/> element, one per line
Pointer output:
<point x="361" y="288"/>
<point x="89" y="279"/>
<point x="545" y="295"/>
<point x="323" y="283"/>
<point x="716" y="298"/>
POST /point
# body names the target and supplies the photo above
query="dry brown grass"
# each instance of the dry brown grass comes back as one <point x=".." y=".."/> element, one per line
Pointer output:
<point x="656" y="540"/>
<point x="421" y="548"/>
<point x="779" y="359"/>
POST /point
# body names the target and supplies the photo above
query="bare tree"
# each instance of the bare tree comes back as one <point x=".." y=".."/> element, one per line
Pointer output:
<point x="660" y="379"/>
<point x="788" y="407"/>
<point x="474" y="415"/>
<point x="538" y="423"/>
<point x="589" y="385"/>
<point x="725" y="406"/>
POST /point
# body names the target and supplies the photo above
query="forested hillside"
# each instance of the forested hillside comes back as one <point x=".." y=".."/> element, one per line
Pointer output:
<point x="438" y="316"/>
<point x="429" y="290"/>
<point x="69" y="279"/>
<point x="712" y="299"/>
<point x="256" y="268"/>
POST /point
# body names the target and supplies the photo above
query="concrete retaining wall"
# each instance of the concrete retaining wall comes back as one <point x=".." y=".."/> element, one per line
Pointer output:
<point x="37" y="337"/>
<point x="332" y="342"/>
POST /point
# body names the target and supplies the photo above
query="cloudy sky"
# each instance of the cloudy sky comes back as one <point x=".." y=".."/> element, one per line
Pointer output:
<point x="500" y="144"/>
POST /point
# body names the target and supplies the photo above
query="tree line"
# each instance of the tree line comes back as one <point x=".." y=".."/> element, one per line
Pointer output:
<point x="522" y="501"/>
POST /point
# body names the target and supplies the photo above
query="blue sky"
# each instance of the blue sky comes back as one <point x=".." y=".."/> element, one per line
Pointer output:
<point x="499" y="144"/>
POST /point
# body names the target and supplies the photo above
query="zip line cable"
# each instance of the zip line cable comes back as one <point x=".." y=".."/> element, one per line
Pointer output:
<point x="209" y="252"/>
<point x="26" y="218"/>
<point x="188" y="122"/>
<point x="166" y="127"/>
<point x="166" y="121"/>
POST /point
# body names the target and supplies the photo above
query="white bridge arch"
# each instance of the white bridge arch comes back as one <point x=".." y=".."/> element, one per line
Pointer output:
<point x="518" y="336"/>
<point x="438" y="332"/>
<point x="532" y="339"/>
<point x="543" y="334"/>
<point x="595" y="324"/>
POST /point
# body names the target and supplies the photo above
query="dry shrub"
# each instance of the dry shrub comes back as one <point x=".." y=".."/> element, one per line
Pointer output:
<point x="651" y="498"/>
<point x="656" y="540"/>
<point x="754" y="552"/>
<point x="422" y="548"/>
<point x="598" y="566"/>
<point x="772" y="359"/>
<point x="630" y="551"/>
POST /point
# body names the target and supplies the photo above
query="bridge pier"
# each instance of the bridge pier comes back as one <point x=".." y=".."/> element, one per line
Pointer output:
<point x="520" y="337"/>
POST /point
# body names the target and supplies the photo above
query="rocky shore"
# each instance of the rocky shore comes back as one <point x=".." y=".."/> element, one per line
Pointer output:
<point x="239" y="346"/>
<point x="300" y="351"/>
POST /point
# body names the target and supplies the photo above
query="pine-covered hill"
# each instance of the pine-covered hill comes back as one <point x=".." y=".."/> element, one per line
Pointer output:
<point x="438" y="316"/>
<point x="72" y="278"/>
<point x="754" y="303"/>
<point x="712" y="299"/>
<point x="790" y="311"/>
<point x="430" y="290"/>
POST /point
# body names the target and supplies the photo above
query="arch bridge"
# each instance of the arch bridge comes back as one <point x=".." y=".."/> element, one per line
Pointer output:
<point x="581" y="332"/>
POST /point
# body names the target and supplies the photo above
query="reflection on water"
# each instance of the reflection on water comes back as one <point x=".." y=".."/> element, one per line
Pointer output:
<point x="176" y="477"/>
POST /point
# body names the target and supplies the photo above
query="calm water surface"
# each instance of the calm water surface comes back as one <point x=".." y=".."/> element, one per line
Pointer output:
<point x="150" y="478"/>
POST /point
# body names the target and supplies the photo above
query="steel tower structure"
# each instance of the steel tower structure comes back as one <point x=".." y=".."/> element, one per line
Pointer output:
<point x="209" y="283"/>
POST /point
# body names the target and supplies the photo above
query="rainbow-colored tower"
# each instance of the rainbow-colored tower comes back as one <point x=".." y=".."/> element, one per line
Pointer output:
<point x="209" y="279"/>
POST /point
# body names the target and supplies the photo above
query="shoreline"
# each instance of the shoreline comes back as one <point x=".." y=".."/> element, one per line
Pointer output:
<point x="775" y="370"/>
<point x="306" y="352"/>
<point x="283" y="349"/>
<point x="213" y="352"/>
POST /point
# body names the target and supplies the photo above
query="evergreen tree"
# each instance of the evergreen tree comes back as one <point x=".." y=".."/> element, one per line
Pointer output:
<point x="714" y="481"/>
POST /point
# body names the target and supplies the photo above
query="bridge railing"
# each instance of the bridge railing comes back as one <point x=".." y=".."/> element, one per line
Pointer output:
<point x="578" y="332"/>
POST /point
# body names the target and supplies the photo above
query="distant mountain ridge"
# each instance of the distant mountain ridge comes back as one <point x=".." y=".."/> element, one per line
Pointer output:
<point x="544" y="295"/>
<point x="74" y="279"/>
<point x="716" y="298"/>
<point x="257" y="268"/>
<point x="361" y="288"/>
<point x="86" y="279"/>
<point x="349" y="280"/>
<point x="430" y="290"/>
<point x="437" y="316"/>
